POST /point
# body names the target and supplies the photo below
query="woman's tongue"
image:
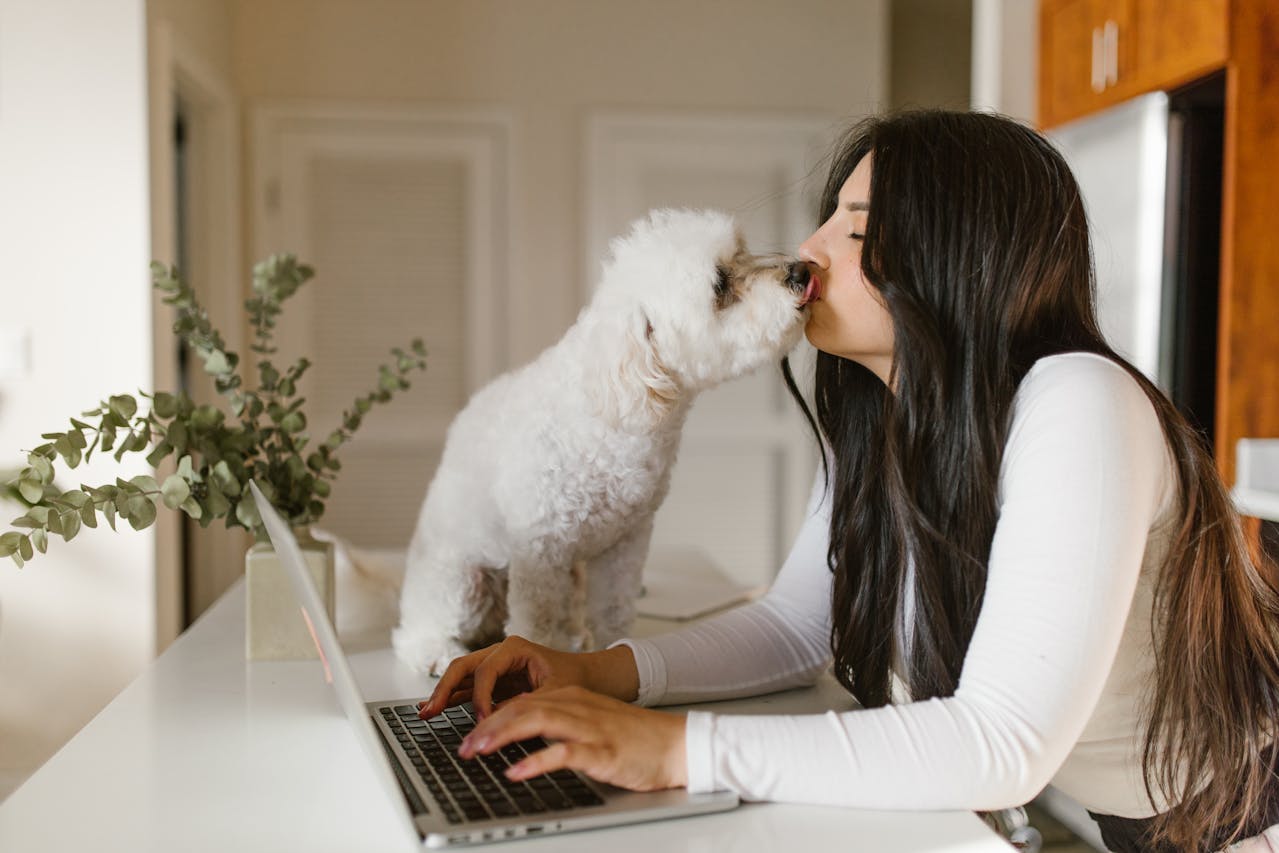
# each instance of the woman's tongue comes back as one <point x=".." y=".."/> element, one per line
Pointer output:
<point x="812" y="291"/>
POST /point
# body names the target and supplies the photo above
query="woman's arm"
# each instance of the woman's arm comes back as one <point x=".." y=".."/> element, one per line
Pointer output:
<point x="1084" y="477"/>
<point x="780" y="641"/>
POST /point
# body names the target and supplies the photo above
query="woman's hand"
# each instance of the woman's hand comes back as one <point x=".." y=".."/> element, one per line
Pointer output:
<point x="516" y="666"/>
<point x="606" y="739"/>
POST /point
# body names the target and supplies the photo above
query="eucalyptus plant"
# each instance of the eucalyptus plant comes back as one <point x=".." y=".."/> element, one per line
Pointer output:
<point x="264" y="436"/>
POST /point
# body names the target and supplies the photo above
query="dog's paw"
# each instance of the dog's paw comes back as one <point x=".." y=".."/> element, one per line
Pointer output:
<point x="430" y="655"/>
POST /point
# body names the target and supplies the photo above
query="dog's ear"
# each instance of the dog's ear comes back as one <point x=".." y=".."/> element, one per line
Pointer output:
<point x="640" y="390"/>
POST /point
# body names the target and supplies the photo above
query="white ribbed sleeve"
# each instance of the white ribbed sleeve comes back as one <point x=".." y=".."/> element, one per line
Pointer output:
<point x="1085" y="475"/>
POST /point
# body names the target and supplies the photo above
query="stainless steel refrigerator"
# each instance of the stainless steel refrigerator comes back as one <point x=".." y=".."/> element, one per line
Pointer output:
<point x="1150" y="172"/>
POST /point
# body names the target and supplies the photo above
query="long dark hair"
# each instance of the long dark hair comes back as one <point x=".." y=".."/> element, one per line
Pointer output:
<point x="977" y="242"/>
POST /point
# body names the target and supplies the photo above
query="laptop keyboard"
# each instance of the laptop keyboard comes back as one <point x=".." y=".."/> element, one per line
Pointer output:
<point x="477" y="788"/>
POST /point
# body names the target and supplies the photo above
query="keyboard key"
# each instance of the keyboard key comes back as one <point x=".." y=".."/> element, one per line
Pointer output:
<point x="554" y="800"/>
<point x="585" y="797"/>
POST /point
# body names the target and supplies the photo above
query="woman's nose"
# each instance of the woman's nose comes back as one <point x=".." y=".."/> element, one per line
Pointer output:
<point x="810" y="251"/>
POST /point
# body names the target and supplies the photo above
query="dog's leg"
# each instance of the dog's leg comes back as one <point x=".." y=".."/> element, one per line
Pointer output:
<point x="613" y="584"/>
<point x="443" y="596"/>
<point x="543" y="600"/>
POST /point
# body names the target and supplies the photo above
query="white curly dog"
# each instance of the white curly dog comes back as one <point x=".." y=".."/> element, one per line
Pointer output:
<point x="538" y="519"/>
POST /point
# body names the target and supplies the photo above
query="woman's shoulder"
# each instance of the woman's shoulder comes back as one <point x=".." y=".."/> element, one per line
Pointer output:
<point x="1084" y="394"/>
<point x="1081" y="378"/>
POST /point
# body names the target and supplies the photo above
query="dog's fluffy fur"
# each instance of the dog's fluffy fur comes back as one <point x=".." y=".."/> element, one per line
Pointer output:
<point x="538" y="519"/>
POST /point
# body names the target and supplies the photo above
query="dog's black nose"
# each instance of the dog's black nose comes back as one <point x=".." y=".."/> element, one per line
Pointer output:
<point x="797" y="275"/>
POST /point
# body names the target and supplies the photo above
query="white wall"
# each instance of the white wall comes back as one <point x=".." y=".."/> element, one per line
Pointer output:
<point x="550" y="64"/>
<point x="77" y="623"/>
<point x="1006" y="57"/>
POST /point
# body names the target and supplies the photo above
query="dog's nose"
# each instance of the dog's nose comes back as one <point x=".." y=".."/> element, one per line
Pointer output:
<point x="797" y="275"/>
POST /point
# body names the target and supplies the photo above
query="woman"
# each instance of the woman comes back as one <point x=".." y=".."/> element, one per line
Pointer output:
<point x="1021" y="557"/>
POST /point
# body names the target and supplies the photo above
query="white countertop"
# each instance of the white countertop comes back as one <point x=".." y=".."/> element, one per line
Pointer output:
<point x="207" y="752"/>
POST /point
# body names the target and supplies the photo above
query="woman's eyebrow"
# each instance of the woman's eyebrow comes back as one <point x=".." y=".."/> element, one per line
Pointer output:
<point x="856" y="205"/>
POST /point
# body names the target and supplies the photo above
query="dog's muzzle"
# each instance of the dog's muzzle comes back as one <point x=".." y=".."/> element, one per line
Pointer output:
<point x="797" y="276"/>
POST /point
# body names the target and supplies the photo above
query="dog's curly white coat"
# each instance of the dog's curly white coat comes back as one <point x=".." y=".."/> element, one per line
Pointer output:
<point x="539" y="517"/>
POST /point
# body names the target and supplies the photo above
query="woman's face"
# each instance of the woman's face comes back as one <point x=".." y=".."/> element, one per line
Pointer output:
<point x="848" y="318"/>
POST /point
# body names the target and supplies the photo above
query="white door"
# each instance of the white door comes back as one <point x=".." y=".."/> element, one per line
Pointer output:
<point x="402" y="211"/>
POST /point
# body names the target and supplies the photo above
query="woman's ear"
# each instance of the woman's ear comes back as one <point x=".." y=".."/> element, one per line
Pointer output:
<point x="639" y="391"/>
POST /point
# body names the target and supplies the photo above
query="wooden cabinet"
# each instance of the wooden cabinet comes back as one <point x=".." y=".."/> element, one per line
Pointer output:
<point x="1177" y="41"/>
<point x="1095" y="53"/>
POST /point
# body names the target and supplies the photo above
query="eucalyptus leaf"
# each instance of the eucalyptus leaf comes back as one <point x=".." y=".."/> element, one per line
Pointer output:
<point x="43" y="468"/>
<point x="31" y="490"/>
<point x="177" y="436"/>
<point x="192" y="508"/>
<point x="145" y="483"/>
<point x="70" y="525"/>
<point x="164" y="405"/>
<point x="293" y="422"/>
<point x="40" y="539"/>
<point x="246" y="512"/>
<point x="88" y="516"/>
<point x="227" y="483"/>
<point x="216" y="502"/>
<point x="161" y="450"/>
<point x="141" y="514"/>
<point x="24" y="548"/>
<point x="216" y="362"/>
<point x="175" y="491"/>
<point x="123" y="406"/>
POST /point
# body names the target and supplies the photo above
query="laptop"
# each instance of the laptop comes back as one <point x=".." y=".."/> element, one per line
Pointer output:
<point x="445" y="800"/>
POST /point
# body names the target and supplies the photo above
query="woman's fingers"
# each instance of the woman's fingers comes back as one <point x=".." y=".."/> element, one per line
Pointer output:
<point x="458" y="674"/>
<point x="602" y="737"/>
<point x="557" y="756"/>
<point x="546" y="715"/>
<point x="507" y="657"/>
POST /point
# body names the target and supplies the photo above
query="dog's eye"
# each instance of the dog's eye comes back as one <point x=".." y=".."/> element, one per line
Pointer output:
<point x="724" y="293"/>
<point x="722" y="282"/>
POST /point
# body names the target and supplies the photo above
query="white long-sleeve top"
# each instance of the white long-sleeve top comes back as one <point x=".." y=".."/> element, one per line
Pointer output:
<point x="1052" y="684"/>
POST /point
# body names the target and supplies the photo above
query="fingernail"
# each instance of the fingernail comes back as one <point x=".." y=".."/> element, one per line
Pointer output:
<point x="515" y="771"/>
